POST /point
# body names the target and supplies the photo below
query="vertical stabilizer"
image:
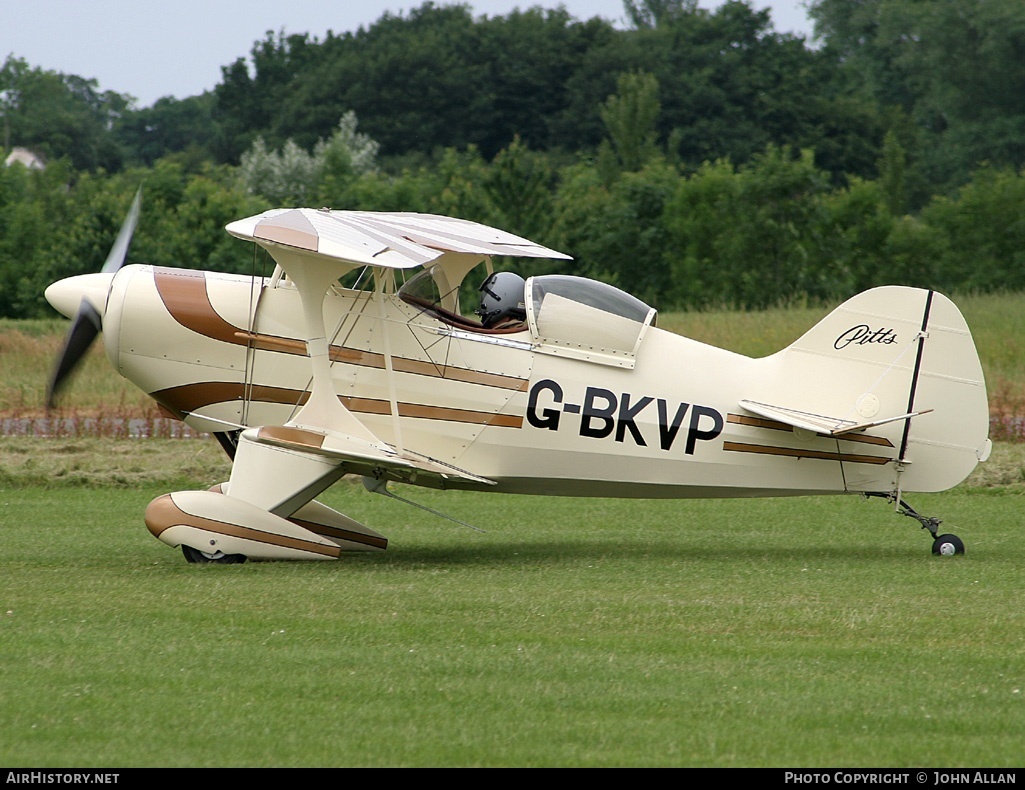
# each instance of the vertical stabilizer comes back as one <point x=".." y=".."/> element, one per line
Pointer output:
<point x="901" y="360"/>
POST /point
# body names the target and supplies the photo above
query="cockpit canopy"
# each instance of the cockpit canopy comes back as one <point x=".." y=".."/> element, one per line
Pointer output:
<point x="566" y="316"/>
<point x="586" y="319"/>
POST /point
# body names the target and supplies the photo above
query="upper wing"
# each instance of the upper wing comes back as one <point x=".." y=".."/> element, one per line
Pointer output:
<point x="391" y="240"/>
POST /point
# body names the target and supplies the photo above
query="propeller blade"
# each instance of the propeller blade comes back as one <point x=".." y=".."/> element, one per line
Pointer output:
<point x="84" y="329"/>
<point x="88" y="322"/>
<point x="118" y="253"/>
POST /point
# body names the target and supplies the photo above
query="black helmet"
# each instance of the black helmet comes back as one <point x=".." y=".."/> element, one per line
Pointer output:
<point x="501" y="299"/>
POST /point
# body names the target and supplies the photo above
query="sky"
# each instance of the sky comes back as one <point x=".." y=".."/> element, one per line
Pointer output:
<point x="149" y="49"/>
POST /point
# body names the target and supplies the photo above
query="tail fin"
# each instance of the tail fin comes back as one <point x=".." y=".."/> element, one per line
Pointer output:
<point x="894" y="363"/>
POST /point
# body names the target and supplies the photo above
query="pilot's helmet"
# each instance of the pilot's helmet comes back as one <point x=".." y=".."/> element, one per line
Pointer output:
<point x="501" y="299"/>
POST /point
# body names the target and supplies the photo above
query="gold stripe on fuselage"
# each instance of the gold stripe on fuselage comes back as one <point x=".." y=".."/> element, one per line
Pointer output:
<point x="800" y="453"/>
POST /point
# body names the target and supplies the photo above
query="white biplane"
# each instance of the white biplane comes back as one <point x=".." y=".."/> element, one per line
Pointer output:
<point x="556" y="385"/>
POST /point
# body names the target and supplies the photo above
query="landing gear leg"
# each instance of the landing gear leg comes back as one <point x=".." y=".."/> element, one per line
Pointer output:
<point x="942" y="545"/>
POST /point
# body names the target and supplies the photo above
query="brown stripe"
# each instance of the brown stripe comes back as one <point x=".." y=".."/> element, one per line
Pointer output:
<point x="758" y="422"/>
<point x="774" y="425"/>
<point x="421" y="368"/>
<point x="352" y="356"/>
<point x="423" y="412"/>
<point x="285" y="345"/>
<point x="162" y="513"/>
<point x="190" y="397"/>
<point x="292" y="436"/>
<point x="341" y="534"/>
<point x="794" y="452"/>
<point x="184" y="295"/>
<point x="291" y="228"/>
<point x="864" y="438"/>
<point x="289" y="236"/>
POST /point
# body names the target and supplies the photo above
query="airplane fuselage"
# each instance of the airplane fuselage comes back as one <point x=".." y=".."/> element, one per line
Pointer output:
<point x="220" y="351"/>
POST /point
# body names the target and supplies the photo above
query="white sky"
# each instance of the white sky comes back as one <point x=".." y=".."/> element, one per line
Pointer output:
<point x="151" y="49"/>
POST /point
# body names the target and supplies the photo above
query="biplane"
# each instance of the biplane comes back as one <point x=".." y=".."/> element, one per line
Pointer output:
<point x="385" y="346"/>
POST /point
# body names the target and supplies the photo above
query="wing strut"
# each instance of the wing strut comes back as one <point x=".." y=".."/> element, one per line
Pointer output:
<point x="323" y="411"/>
<point x="381" y="276"/>
<point x="378" y="486"/>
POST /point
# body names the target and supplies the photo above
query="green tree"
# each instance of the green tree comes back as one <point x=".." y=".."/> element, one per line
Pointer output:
<point x="617" y="232"/>
<point x="186" y="228"/>
<point x="29" y="201"/>
<point x="728" y="86"/>
<point x="520" y="185"/>
<point x="342" y="158"/>
<point x="983" y="228"/>
<point x="892" y="170"/>
<point x="169" y="126"/>
<point x="413" y="80"/>
<point x="58" y="115"/>
<point x="856" y="239"/>
<point x="455" y="186"/>
<point x="526" y="59"/>
<point x="285" y="177"/>
<point x="294" y="176"/>
<point x="750" y="236"/>
<point x="630" y="116"/>
<point x="955" y="68"/>
<point x="254" y="101"/>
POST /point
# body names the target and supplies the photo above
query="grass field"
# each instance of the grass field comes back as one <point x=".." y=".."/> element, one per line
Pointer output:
<point x="806" y="632"/>
<point x="790" y="633"/>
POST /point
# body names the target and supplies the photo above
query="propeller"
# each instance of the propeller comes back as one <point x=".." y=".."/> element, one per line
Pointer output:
<point x="88" y="322"/>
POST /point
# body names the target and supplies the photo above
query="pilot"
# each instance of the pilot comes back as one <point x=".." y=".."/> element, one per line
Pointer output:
<point x="501" y="301"/>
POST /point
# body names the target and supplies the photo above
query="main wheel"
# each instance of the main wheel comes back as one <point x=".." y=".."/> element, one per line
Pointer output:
<point x="947" y="545"/>
<point x="195" y="555"/>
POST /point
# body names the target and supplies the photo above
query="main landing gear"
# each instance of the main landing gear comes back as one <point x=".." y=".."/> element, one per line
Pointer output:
<point x="219" y="558"/>
<point x="945" y="545"/>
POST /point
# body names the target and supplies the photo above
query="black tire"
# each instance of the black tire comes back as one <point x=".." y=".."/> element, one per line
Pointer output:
<point x="197" y="556"/>
<point x="947" y="546"/>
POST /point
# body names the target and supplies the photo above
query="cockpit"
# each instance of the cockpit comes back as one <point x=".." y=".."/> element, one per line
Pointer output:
<point x="562" y="314"/>
<point x="431" y="292"/>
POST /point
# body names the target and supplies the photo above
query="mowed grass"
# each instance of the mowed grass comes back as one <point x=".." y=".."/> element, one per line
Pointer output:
<point x="573" y="632"/>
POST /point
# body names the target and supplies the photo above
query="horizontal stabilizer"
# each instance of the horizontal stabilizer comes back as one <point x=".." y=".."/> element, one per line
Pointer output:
<point x="819" y="423"/>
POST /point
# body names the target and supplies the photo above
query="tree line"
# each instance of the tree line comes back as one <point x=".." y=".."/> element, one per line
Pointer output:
<point x="694" y="158"/>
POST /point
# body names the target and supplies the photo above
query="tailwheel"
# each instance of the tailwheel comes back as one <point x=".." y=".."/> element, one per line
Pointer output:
<point x="947" y="545"/>
<point x="218" y="557"/>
